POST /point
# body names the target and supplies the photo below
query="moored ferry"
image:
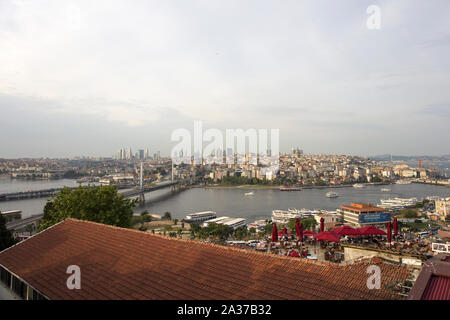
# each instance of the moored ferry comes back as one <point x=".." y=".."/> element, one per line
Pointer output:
<point x="397" y="203"/>
<point x="200" y="216"/>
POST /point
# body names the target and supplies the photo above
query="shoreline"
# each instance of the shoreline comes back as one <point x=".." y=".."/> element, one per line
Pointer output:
<point x="277" y="187"/>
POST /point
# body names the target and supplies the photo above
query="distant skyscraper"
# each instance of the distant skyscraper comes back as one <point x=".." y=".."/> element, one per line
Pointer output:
<point x="147" y="155"/>
<point x="130" y="154"/>
<point x="141" y="154"/>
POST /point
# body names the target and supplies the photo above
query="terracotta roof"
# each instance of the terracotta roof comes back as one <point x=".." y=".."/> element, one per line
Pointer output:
<point x="438" y="288"/>
<point x="362" y="207"/>
<point x="433" y="282"/>
<point x="119" y="263"/>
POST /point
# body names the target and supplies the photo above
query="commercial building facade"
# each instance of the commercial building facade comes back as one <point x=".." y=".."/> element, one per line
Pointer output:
<point x="360" y="215"/>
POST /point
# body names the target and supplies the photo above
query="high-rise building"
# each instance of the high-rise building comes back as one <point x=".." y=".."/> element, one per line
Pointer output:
<point x="147" y="154"/>
<point x="130" y="154"/>
<point x="141" y="154"/>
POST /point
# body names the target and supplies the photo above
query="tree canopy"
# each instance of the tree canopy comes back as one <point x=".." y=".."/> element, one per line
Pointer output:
<point x="98" y="204"/>
<point x="6" y="238"/>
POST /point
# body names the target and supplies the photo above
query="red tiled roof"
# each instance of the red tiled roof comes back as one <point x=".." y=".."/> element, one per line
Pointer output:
<point x="438" y="288"/>
<point x="119" y="263"/>
<point x="433" y="282"/>
<point x="362" y="208"/>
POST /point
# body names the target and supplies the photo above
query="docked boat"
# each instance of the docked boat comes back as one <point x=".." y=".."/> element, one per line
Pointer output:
<point x="332" y="194"/>
<point x="403" y="182"/>
<point x="385" y="190"/>
<point x="286" y="188"/>
<point x="283" y="216"/>
<point x="200" y="216"/>
<point x="397" y="203"/>
<point x="358" y="185"/>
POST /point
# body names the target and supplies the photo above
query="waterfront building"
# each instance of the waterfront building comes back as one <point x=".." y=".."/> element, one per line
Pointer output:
<point x="360" y="215"/>
<point x="330" y="220"/>
<point x="443" y="207"/>
<point x="118" y="263"/>
<point x="231" y="222"/>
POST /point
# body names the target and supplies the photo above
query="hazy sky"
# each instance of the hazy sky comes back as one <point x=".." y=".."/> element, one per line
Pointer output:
<point x="90" y="77"/>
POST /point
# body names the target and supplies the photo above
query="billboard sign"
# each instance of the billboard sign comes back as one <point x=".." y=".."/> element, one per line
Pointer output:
<point x="374" y="218"/>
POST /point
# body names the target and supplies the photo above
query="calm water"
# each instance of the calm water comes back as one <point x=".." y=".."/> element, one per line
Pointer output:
<point x="29" y="206"/>
<point x="233" y="203"/>
<point x="230" y="202"/>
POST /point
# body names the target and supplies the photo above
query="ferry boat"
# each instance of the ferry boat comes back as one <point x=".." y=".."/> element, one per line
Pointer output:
<point x="403" y="182"/>
<point x="200" y="216"/>
<point x="332" y="194"/>
<point x="385" y="190"/>
<point x="397" y="203"/>
<point x="358" y="185"/>
<point x="283" y="216"/>
<point x="249" y="194"/>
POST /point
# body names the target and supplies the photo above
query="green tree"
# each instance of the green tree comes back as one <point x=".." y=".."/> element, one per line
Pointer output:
<point x="167" y="216"/>
<point x="29" y="228"/>
<point x="268" y="228"/>
<point x="6" y="238"/>
<point x="195" y="227"/>
<point x="240" y="232"/>
<point x="98" y="204"/>
<point x="410" y="214"/>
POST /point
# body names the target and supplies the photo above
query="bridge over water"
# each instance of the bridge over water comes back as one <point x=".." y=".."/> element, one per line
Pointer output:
<point x="137" y="192"/>
<point x="44" y="193"/>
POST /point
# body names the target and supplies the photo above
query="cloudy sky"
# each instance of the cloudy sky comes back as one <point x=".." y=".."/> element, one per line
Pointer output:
<point x="89" y="77"/>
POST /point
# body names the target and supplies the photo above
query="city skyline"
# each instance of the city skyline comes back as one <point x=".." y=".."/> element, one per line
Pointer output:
<point x="83" y="78"/>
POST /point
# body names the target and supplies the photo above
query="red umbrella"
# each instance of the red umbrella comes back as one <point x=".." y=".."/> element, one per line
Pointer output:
<point x="282" y="233"/>
<point x="294" y="254"/>
<point x="322" y="220"/>
<point x="328" y="236"/>
<point x="274" y="233"/>
<point x="395" y="227"/>
<point x="389" y="232"/>
<point x="297" y="227"/>
<point x="301" y="231"/>
<point x="308" y="233"/>
<point x="371" y="231"/>
<point x="346" y="231"/>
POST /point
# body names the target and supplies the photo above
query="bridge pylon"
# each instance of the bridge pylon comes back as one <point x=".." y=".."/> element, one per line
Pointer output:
<point x="141" y="199"/>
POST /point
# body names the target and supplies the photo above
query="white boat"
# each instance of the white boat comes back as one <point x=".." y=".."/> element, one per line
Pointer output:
<point x="283" y="216"/>
<point x="397" y="203"/>
<point x="385" y="190"/>
<point x="358" y="185"/>
<point x="200" y="216"/>
<point x="332" y="194"/>
<point x="249" y="194"/>
<point x="403" y="182"/>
